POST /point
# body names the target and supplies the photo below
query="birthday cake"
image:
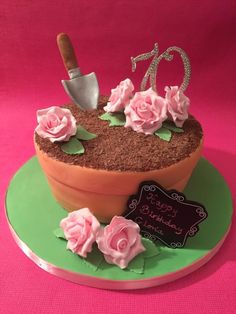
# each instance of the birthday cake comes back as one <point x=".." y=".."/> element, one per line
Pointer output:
<point x="117" y="167"/>
<point x="99" y="151"/>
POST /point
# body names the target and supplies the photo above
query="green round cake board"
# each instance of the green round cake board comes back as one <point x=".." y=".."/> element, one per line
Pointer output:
<point x="33" y="215"/>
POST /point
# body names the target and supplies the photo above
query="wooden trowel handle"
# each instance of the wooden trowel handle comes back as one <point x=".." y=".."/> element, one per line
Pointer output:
<point x="67" y="51"/>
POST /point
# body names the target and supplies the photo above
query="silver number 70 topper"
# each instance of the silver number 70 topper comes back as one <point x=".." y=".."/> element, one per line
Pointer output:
<point x="152" y="70"/>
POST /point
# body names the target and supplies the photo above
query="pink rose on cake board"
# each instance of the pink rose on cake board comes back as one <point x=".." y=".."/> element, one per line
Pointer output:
<point x="80" y="229"/>
<point x="177" y="105"/>
<point x="56" y="124"/>
<point x="146" y="112"/>
<point x="120" y="241"/>
<point x="120" y="96"/>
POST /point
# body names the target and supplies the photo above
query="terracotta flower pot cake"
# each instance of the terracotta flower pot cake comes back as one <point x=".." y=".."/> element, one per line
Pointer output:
<point x="97" y="158"/>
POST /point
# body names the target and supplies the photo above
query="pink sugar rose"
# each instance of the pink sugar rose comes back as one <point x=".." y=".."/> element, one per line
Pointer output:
<point x="120" y="96"/>
<point x="56" y="124"/>
<point x="177" y="105"/>
<point x="80" y="229"/>
<point x="146" y="112"/>
<point x="120" y="241"/>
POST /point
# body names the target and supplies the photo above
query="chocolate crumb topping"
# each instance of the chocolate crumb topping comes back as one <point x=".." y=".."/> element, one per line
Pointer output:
<point x="122" y="149"/>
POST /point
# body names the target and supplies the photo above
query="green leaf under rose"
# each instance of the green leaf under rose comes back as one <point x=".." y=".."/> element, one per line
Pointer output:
<point x="171" y="126"/>
<point x="116" y="118"/>
<point x="165" y="132"/>
<point x="74" y="145"/>
<point x="83" y="134"/>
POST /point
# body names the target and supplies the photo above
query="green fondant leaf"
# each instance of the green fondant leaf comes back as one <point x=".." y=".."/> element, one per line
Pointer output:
<point x="164" y="134"/>
<point x="73" y="146"/>
<point x="94" y="258"/>
<point x="151" y="248"/>
<point x="83" y="134"/>
<point x="59" y="233"/>
<point x="137" y="264"/>
<point x="116" y="119"/>
<point x="106" y="116"/>
<point x="170" y="126"/>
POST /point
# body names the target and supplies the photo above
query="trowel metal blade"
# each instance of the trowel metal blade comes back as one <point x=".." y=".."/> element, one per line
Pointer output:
<point x="83" y="90"/>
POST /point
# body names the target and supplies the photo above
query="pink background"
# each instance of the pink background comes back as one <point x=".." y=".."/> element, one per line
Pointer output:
<point x="105" y="35"/>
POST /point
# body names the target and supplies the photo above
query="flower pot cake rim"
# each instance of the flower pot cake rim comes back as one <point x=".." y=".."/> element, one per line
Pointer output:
<point x="100" y="180"/>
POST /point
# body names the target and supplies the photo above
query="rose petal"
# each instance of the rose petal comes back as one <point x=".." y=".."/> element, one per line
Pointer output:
<point x="120" y="96"/>
<point x="56" y="124"/>
<point x="177" y="105"/>
<point x="120" y="241"/>
<point x="80" y="228"/>
<point x="146" y="112"/>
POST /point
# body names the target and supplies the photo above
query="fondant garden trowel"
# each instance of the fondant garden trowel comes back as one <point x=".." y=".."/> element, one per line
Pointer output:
<point x="82" y="89"/>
